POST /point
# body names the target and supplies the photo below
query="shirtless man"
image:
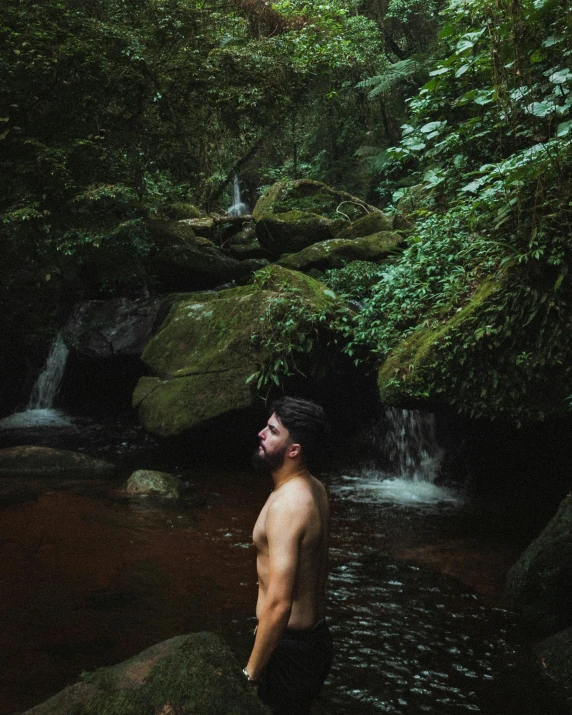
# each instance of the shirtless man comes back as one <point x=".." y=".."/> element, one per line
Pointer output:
<point x="292" y="651"/>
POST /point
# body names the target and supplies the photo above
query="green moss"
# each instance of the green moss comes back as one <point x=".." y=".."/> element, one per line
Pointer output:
<point x="310" y="196"/>
<point x="373" y="222"/>
<point x="292" y="230"/>
<point x="411" y="370"/>
<point x="182" y="210"/>
<point x="337" y="251"/>
<point x="169" y="407"/>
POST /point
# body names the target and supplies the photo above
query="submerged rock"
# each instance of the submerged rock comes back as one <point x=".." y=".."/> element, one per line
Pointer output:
<point x="34" y="461"/>
<point x="540" y="583"/>
<point x="185" y="675"/>
<point x="338" y="251"/>
<point x="145" y="482"/>
<point x="203" y="352"/>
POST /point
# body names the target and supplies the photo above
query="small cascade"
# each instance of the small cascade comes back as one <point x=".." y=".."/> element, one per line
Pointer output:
<point x="238" y="208"/>
<point x="410" y="445"/>
<point x="411" y="459"/>
<point x="40" y="410"/>
<point x="49" y="380"/>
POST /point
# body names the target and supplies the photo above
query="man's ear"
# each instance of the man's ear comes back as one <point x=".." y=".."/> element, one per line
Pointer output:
<point x="293" y="450"/>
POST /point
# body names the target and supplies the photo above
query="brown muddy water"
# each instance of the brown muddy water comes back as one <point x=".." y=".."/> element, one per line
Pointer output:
<point x="90" y="577"/>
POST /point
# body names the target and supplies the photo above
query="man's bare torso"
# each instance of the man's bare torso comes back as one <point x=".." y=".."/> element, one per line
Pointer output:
<point x="309" y="499"/>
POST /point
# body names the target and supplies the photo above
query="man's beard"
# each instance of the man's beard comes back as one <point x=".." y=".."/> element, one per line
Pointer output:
<point x="263" y="462"/>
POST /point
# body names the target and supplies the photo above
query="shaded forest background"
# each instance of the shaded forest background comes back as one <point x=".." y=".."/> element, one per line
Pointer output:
<point x="114" y="111"/>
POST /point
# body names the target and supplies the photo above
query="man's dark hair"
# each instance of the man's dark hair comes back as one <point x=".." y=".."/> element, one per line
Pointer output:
<point x="307" y="424"/>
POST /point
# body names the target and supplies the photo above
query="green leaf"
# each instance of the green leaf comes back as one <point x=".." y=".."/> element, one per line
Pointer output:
<point x="561" y="77"/>
<point x="564" y="128"/>
<point x="540" y="109"/>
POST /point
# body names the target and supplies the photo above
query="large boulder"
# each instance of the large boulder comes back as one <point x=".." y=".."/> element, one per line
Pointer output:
<point x="116" y="327"/>
<point x="291" y="215"/>
<point x="188" y="268"/>
<point x="34" y="461"/>
<point x="373" y="222"/>
<point x="338" y="251"/>
<point x="291" y="231"/>
<point x="540" y="583"/>
<point x="185" y="675"/>
<point x="203" y="353"/>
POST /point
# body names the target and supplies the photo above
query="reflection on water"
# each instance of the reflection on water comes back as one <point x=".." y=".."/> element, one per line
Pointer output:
<point x="90" y="577"/>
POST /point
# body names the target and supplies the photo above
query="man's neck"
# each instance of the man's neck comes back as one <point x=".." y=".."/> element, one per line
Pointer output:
<point x="288" y="472"/>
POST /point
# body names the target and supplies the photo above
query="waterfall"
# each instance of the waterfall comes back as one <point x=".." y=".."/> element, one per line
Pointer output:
<point x="407" y="465"/>
<point x="238" y="208"/>
<point x="410" y="445"/>
<point x="40" y="410"/>
<point x="49" y="380"/>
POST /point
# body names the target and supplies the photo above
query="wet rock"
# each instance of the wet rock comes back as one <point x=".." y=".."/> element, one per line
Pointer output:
<point x="148" y="482"/>
<point x="338" y="251"/>
<point x="556" y="655"/>
<point x="539" y="585"/>
<point x="34" y="461"/>
<point x="203" y="352"/>
<point x="204" y="227"/>
<point x="184" y="675"/>
<point x="371" y="223"/>
<point x="116" y="327"/>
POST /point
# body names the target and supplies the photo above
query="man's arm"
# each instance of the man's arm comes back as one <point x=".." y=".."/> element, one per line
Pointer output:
<point x="284" y="531"/>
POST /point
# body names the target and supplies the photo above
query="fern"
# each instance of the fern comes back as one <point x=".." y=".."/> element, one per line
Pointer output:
<point x="392" y="75"/>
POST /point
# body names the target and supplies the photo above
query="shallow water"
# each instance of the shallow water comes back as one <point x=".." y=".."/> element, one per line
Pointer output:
<point x="90" y="577"/>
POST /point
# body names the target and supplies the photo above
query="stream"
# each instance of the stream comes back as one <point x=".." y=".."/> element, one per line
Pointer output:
<point x="91" y="577"/>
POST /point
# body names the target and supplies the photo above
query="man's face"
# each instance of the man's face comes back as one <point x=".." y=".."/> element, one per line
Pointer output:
<point x="274" y="443"/>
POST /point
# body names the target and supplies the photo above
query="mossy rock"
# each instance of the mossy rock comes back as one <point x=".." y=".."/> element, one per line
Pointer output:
<point x="291" y="231"/>
<point x="34" y="461"/>
<point x="185" y="675"/>
<point x="182" y="210"/>
<point x="171" y="233"/>
<point x="203" y="353"/>
<point x="147" y="482"/>
<point x="373" y="222"/>
<point x="539" y="585"/>
<point x="338" y="251"/>
<point x="311" y="197"/>
<point x="408" y="374"/>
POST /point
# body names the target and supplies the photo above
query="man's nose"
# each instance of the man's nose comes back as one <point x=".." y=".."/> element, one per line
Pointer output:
<point x="262" y="433"/>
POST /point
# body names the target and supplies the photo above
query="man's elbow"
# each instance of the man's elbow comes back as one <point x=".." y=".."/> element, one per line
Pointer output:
<point x="278" y="608"/>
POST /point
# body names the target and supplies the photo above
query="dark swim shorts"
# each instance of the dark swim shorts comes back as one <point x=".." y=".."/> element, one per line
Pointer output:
<point x="297" y="670"/>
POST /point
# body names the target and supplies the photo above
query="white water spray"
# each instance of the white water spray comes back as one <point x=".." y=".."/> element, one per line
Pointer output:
<point x="412" y="456"/>
<point x="238" y="208"/>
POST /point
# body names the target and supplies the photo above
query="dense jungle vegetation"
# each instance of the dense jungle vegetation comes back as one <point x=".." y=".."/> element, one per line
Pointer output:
<point x="455" y="112"/>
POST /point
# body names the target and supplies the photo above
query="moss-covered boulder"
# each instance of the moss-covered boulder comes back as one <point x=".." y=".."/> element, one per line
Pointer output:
<point x="182" y="210"/>
<point x="338" y="251"/>
<point x="203" y="353"/>
<point x="311" y="197"/>
<point x="35" y="461"/>
<point x="186" y="675"/>
<point x="539" y="585"/>
<point x="291" y="231"/>
<point x="147" y="482"/>
<point x="175" y="233"/>
<point x="373" y="222"/>
<point x="291" y="215"/>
